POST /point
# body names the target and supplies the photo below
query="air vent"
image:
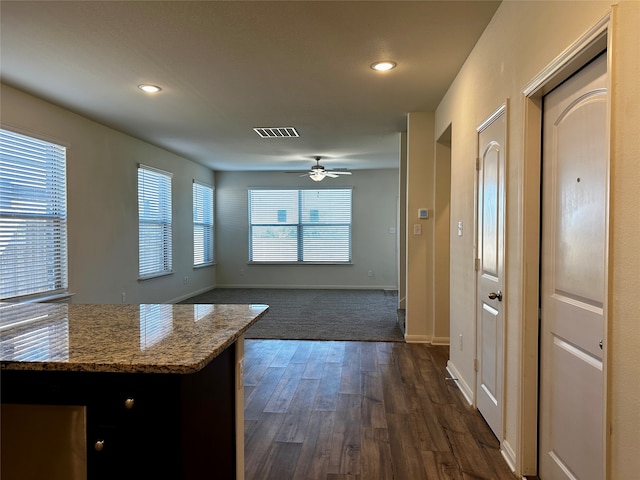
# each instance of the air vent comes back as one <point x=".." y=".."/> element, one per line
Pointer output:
<point x="276" y="132"/>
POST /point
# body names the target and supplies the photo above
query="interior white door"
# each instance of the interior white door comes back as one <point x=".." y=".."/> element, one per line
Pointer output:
<point x="490" y="266"/>
<point x="573" y="266"/>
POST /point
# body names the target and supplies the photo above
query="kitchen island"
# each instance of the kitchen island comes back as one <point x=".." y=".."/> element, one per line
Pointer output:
<point x="159" y="386"/>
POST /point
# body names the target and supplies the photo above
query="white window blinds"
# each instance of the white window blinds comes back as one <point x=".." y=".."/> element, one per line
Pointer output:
<point x="202" y="224"/>
<point x="33" y="216"/>
<point x="311" y="225"/>
<point x="154" y="222"/>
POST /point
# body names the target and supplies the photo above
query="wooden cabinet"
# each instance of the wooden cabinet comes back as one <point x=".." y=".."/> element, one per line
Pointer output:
<point x="140" y="425"/>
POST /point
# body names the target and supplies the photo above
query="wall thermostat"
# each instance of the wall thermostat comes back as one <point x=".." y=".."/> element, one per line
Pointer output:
<point x="423" y="213"/>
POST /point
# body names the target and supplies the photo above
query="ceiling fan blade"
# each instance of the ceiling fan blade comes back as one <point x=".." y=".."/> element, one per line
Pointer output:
<point x="340" y="173"/>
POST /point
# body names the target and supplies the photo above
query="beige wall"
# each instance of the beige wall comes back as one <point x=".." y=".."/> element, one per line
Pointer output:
<point x="374" y="233"/>
<point x="419" y="248"/>
<point x="428" y="167"/>
<point x="102" y="204"/>
<point x="522" y="39"/>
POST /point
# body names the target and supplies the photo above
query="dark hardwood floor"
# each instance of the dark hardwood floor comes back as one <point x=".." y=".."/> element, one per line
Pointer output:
<point x="360" y="411"/>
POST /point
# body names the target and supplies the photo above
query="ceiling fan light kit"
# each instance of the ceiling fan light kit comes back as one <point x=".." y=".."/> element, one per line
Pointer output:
<point x="318" y="172"/>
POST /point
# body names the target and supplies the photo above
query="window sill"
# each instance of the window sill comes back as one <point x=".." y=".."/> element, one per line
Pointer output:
<point x="204" y="265"/>
<point x="299" y="263"/>
<point x="157" y="275"/>
<point x="58" y="297"/>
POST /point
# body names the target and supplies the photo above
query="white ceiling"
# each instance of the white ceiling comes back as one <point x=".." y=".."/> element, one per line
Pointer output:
<point x="228" y="66"/>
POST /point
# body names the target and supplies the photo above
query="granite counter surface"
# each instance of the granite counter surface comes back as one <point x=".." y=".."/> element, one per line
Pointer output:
<point x="146" y="338"/>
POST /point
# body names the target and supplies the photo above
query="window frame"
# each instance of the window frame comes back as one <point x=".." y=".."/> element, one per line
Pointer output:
<point x="23" y="153"/>
<point x="165" y="221"/>
<point x="300" y="225"/>
<point x="208" y="228"/>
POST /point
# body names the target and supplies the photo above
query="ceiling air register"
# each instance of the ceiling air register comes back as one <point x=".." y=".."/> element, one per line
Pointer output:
<point x="276" y="132"/>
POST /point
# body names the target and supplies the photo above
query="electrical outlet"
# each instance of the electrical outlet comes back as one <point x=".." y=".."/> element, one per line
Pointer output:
<point x="124" y="297"/>
<point x="185" y="280"/>
<point x="370" y="273"/>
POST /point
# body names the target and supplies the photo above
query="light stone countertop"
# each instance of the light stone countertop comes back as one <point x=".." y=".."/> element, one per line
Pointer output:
<point x="146" y="338"/>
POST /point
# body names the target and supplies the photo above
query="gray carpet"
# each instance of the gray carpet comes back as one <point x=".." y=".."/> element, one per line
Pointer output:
<point x="359" y="315"/>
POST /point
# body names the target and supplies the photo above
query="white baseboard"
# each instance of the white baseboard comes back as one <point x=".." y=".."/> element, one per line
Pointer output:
<point x="426" y="339"/>
<point x="312" y="287"/>
<point x="191" y="294"/>
<point x="417" y="338"/>
<point x="289" y="287"/>
<point x="462" y="385"/>
<point x="508" y="454"/>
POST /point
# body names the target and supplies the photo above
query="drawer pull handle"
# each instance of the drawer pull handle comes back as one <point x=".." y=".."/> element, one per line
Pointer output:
<point x="128" y="403"/>
<point x="99" y="445"/>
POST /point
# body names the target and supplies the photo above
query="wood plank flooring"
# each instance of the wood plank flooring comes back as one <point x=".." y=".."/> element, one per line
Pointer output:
<point x="333" y="410"/>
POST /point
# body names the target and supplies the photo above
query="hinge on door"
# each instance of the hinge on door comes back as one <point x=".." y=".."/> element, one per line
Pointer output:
<point x="478" y="163"/>
<point x="475" y="365"/>
<point x="476" y="264"/>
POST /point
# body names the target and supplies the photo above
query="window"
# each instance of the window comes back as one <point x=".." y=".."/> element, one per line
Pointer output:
<point x="300" y="226"/>
<point x="33" y="216"/>
<point x="202" y="224"/>
<point x="154" y="222"/>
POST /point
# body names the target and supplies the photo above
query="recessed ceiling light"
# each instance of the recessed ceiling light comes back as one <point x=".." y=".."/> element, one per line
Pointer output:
<point x="384" y="65"/>
<point x="146" y="87"/>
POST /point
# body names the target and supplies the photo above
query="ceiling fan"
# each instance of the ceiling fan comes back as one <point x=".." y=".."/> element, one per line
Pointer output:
<point x="318" y="172"/>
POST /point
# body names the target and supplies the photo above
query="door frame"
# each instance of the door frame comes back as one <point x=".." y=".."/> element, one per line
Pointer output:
<point x="598" y="39"/>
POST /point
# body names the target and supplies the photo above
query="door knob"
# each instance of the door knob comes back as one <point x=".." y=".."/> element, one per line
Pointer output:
<point x="494" y="295"/>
